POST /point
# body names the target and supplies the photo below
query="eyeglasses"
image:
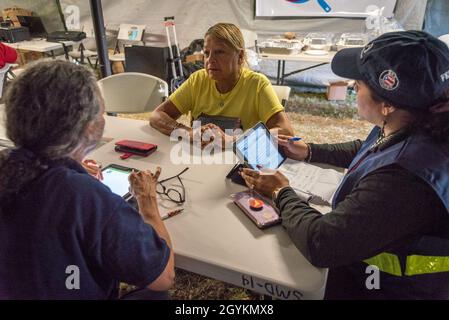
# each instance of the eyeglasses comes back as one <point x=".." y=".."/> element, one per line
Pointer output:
<point x="175" y="193"/>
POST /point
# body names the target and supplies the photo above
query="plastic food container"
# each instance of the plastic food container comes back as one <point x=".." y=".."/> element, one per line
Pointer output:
<point x="319" y="41"/>
<point x="281" y="46"/>
<point x="352" y="40"/>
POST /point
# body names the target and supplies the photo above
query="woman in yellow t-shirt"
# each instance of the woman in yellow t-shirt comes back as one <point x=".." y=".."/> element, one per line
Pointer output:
<point x="225" y="89"/>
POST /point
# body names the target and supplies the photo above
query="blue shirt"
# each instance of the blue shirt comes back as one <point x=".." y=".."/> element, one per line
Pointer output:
<point x="67" y="218"/>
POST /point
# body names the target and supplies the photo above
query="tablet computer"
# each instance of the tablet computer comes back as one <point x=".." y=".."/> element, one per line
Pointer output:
<point x="116" y="178"/>
<point x="257" y="148"/>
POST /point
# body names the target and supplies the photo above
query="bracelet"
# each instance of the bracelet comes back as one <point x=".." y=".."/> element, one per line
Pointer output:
<point x="176" y="126"/>
<point x="309" y="157"/>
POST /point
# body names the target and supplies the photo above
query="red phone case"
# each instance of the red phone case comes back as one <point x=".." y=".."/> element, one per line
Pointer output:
<point x="130" y="148"/>
<point x="142" y="146"/>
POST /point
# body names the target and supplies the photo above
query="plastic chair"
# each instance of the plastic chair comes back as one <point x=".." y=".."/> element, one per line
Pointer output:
<point x="445" y="38"/>
<point x="85" y="51"/>
<point x="132" y="92"/>
<point x="283" y="93"/>
<point x="3" y="72"/>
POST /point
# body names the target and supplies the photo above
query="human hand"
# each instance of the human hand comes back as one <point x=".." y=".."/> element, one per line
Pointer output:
<point x="201" y="136"/>
<point x="264" y="184"/>
<point x="93" y="168"/>
<point x="143" y="184"/>
<point x="297" y="150"/>
<point x="218" y="136"/>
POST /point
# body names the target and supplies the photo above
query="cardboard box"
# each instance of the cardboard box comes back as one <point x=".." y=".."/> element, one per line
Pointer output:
<point x="13" y="12"/>
<point x="116" y="66"/>
<point x="337" y="90"/>
<point x="195" y="57"/>
<point x="24" y="57"/>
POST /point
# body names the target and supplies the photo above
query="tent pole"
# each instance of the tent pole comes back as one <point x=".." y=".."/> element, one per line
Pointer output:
<point x="100" y="37"/>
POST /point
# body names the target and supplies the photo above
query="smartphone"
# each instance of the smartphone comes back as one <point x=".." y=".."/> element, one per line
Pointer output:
<point x="264" y="216"/>
<point x="116" y="178"/>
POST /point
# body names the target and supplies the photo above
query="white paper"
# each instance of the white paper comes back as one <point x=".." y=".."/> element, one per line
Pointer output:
<point x="308" y="179"/>
<point x="131" y="32"/>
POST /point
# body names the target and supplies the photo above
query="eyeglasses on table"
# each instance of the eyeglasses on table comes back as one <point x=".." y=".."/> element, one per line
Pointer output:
<point x="175" y="193"/>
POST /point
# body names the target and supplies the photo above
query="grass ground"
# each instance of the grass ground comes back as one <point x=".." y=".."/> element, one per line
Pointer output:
<point x="316" y="120"/>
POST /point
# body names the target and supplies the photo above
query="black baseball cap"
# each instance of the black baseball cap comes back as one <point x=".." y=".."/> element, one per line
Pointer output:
<point x="408" y="69"/>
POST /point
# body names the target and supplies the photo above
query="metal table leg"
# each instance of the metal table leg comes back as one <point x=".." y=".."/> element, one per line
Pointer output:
<point x="283" y="72"/>
<point x="279" y="72"/>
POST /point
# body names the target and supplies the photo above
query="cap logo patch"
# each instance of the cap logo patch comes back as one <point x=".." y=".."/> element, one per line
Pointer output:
<point x="367" y="48"/>
<point x="389" y="80"/>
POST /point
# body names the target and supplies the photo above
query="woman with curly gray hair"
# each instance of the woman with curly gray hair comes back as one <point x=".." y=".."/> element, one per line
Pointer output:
<point x="63" y="234"/>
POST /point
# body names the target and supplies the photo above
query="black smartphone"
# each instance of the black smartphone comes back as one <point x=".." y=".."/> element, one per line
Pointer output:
<point x="235" y="176"/>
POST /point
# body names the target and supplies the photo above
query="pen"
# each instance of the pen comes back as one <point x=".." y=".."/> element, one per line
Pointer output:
<point x="294" y="139"/>
<point x="172" y="213"/>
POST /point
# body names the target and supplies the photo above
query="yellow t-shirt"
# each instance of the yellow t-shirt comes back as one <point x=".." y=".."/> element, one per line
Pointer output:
<point x="251" y="100"/>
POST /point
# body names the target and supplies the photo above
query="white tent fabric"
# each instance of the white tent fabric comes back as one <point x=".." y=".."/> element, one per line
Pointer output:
<point x="193" y="17"/>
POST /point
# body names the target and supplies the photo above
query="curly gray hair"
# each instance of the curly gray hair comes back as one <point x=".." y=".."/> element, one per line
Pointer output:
<point x="48" y="108"/>
<point x="49" y="105"/>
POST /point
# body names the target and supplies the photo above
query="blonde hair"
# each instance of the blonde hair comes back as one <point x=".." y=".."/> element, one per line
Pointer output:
<point x="229" y="33"/>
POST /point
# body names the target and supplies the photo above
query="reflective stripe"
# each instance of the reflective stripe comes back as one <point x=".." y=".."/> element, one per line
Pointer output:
<point x="386" y="262"/>
<point x="426" y="264"/>
<point x="416" y="265"/>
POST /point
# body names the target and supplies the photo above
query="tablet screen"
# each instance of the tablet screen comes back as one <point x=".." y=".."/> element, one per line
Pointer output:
<point x="117" y="179"/>
<point x="258" y="148"/>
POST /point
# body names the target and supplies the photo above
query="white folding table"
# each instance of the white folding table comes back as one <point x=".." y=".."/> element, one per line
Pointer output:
<point x="300" y="57"/>
<point x="42" y="45"/>
<point x="212" y="237"/>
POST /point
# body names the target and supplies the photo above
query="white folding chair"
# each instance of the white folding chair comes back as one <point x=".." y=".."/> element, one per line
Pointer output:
<point x="445" y="38"/>
<point x="132" y="92"/>
<point x="3" y="72"/>
<point x="85" y="51"/>
<point x="283" y="93"/>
